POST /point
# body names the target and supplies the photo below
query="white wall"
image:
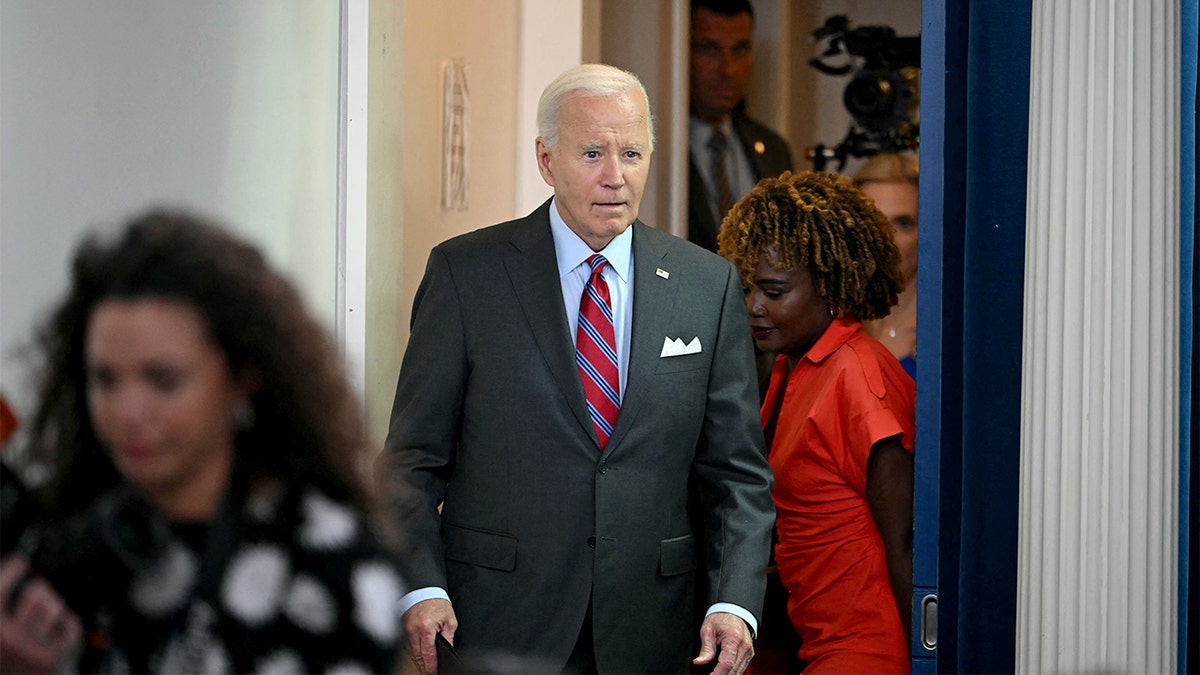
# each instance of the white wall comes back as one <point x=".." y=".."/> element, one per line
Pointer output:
<point x="224" y="106"/>
<point x="231" y="107"/>
<point x="511" y="51"/>
<point x="541" y="61"/>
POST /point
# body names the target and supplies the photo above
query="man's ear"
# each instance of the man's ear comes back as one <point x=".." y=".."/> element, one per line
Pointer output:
<point x="544" y="161"/>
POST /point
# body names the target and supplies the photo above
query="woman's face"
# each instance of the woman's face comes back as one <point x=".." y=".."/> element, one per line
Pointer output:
<point x="786" y="314"/>
<point x="898" y="201"/>
<point x="162" y="401"/>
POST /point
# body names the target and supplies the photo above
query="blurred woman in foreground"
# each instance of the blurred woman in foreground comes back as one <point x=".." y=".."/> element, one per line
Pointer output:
<point x="816" y="258"/>
<point x="184" y="377"/>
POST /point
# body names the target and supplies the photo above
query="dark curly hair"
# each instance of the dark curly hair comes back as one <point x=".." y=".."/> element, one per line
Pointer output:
<point x="306" y="426"/>
<point x="822" y="223"/>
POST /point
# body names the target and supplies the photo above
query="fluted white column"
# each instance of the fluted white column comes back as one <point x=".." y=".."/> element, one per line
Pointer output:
<point x="1097" y="557"/>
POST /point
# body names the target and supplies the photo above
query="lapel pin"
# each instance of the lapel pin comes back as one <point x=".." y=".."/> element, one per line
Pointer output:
<point x="662" y="273"/>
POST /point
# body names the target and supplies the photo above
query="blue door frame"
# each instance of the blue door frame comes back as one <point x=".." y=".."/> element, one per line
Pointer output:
<point x="974" y="138"/>
<point x="1189" y="504"/>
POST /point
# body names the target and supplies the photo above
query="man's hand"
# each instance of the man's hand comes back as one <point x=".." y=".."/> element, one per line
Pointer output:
<point x="726" y="636"/>
<point x="422" y="622"/>
<point x="38" y="629"/>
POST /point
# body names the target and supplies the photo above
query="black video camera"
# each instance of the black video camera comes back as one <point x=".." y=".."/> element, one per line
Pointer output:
<point x="883" y="92"/>
<point x="89" y="557"/>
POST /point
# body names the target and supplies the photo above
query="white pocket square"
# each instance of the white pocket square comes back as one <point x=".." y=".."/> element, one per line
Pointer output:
<point x="677" y="348"/>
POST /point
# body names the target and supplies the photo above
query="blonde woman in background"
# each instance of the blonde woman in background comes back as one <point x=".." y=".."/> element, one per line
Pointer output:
<point x="891" y="181"/>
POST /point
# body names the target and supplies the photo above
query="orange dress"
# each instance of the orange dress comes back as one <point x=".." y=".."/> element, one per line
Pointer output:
<point x="844" y="395"/>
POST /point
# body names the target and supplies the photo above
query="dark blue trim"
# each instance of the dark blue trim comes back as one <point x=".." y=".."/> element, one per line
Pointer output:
<point x="926" y="471"/>
<point x="939" y="323"/>
<point x="974" y="138"/>
<point x="1189" y="417"/>
<point x="998" y="60"/>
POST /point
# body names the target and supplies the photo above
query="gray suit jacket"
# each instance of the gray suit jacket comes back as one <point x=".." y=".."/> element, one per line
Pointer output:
<point x="490" y="421"/>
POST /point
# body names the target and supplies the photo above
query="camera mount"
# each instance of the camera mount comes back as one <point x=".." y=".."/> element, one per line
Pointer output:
<point x="883" y="93"/>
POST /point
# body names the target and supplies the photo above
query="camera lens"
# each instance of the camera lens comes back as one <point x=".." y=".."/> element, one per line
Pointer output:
<point x="871" y="99"/>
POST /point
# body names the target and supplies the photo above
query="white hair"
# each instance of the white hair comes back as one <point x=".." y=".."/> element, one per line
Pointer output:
<point x="590" y="79"/>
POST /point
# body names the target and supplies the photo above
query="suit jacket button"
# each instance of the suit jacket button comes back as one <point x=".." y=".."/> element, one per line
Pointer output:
<point x="592" y="542"/>
<point x="603" y="467"/>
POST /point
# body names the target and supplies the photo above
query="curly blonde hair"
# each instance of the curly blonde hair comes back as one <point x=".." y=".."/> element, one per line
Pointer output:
<point x="822" y="223"/>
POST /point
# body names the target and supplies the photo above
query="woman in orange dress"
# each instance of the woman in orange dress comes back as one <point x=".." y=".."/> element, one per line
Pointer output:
<point x="817" y="258"/>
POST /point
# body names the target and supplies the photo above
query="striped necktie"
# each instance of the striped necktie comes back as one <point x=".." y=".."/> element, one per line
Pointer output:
<point x="596" y="352"/>
<point x="719" y="145"/>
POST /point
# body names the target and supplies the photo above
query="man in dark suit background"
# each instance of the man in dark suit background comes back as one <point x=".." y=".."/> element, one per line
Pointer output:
<point x="729" y="151"/>
<point x="557" y="406"/>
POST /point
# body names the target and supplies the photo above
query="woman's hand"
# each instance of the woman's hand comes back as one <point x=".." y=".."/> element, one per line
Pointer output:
<point x="37" y="629"/>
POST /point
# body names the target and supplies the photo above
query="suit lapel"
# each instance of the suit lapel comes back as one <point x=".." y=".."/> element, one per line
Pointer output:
<point x="533" y="271"/>
<point x="748" y="138"/>
<point x="653" y="297"/>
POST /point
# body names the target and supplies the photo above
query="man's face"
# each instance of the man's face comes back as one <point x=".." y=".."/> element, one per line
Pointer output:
<point x="599" y="169"/>
<point x="722" y="59"/>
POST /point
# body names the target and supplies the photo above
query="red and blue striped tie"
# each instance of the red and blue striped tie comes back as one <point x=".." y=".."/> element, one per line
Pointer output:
<point x="596" y="352"/>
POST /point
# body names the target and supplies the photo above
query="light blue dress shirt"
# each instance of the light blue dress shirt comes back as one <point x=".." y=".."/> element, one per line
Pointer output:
<point x="573" y="274"/>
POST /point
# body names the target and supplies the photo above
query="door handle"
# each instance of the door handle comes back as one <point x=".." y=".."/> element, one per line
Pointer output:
<point x="929" y="622"/>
